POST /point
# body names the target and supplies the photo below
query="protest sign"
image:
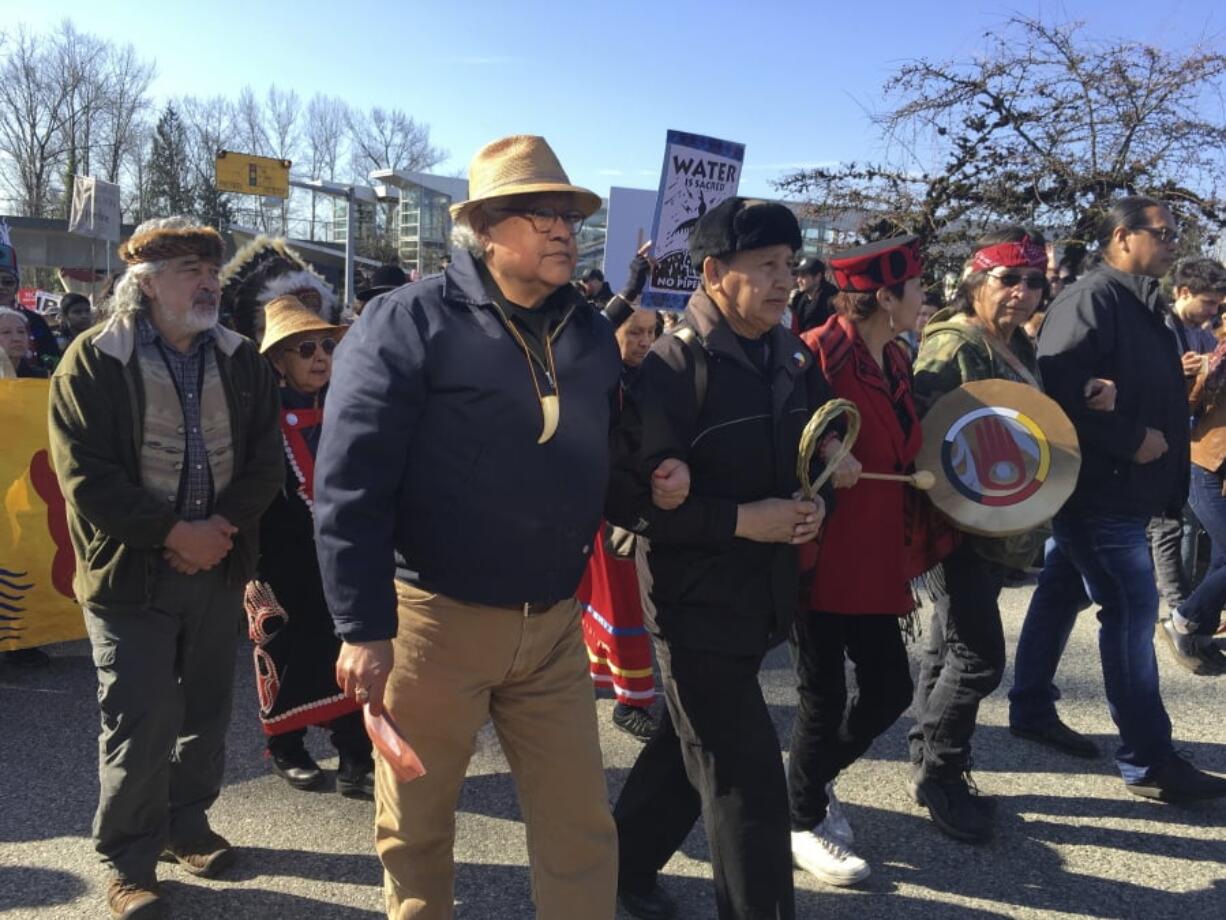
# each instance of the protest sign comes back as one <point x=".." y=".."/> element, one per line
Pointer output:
<point x="95" y="209"/>
<point x="699" y="172"/>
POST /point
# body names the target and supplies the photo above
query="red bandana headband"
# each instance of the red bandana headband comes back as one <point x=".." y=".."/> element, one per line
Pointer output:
<point x="1025" y="253"/>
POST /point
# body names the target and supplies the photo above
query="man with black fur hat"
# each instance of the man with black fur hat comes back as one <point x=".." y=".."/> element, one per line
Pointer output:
<point x="729" y="393"/>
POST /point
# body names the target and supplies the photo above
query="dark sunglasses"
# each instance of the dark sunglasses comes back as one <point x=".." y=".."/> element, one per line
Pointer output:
<point x="1161" y="234"/>
<point x="306" y="350"/>
<point x="1033" y="280"/>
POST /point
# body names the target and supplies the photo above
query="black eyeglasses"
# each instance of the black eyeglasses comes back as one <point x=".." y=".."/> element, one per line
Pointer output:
<point x="542" y="218"/>
<point x="7" y="280"/>
<point x="1161" y="234"/>
<point x="306" y="350"/>
<point x="1033" y="280"/>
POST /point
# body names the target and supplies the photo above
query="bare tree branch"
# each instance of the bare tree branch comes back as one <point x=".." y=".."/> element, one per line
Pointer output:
<point x="1047" y="127"/>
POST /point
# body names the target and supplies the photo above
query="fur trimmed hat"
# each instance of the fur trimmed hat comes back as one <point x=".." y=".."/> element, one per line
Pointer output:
<point x="739" y="224"/>
<point x="171" y="242"/>
<point x="265" y="269"/>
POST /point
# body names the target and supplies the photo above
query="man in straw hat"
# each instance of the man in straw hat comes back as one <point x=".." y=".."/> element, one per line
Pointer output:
<point x="468" y="432"/>
<point x="163" y="430"/>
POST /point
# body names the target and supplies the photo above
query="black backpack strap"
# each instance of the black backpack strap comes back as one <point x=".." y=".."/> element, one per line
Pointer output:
<point x="698" y="357"/>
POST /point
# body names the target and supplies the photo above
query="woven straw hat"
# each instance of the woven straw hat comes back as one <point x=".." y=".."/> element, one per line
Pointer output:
<point x="521" y="164"/>
<point x="286" y="316"/>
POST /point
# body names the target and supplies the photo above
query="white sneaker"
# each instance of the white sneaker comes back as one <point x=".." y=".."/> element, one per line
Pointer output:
<point x="836" y="818"/>
<point x="824" y="857"/>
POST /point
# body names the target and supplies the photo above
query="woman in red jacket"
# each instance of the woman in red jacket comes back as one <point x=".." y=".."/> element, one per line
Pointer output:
<point x="860" y="587"/>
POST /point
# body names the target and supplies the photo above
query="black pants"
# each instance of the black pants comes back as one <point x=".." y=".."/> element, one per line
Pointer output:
<point x="716" y="754"/>
<point x="963" y="662"/>
<point x="348" y="737"/>
<point x="828" y="735"/>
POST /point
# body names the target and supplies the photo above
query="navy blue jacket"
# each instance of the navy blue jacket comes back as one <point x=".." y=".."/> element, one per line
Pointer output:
<point x="430" y="449"/>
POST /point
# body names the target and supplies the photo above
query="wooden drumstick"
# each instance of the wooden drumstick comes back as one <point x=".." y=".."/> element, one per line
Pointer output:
<point x="920" y="479"/>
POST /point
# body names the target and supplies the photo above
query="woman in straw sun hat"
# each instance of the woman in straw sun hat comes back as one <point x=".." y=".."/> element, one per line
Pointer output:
<point x="295" y="648"/>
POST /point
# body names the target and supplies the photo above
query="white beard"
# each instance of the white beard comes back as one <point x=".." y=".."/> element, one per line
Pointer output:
<point x="198" y="320"/>
<point x="193" y="320"/>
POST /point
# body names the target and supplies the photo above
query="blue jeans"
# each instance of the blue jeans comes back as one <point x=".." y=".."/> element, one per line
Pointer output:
<point x="1204" y="605"/>
<point x="1106" y="557"/>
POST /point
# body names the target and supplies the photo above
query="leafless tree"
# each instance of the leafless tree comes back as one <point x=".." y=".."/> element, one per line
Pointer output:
<point x="282" y="111"/>
<point x="70" y="104"/>
<point x="324" y="142"/>
<point x="1045" y="126"/>
<point x="125" y="103"/>
<point x="79" y="66"/>
<point x="210" y="125"/>
<point x="389" y="139"/>
<point x="33" y="100"/>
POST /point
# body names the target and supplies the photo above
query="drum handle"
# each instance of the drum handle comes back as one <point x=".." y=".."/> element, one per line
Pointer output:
<point x="812" y="435"/>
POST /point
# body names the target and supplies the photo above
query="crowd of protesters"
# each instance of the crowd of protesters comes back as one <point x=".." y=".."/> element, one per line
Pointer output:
<point x="500" y="484"/>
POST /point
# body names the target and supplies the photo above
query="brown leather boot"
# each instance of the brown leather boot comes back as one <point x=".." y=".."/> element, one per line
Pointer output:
<point x="206" y="857"/>
<point x="133" y="900"/>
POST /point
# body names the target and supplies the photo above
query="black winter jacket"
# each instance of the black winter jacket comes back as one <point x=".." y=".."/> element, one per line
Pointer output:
<point x="712" y="590"/>
<point x="1111" y="324"/>
<point x="430" y="449"/>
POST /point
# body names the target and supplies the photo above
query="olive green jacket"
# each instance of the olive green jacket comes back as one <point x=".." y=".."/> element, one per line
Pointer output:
<point x="96" y="415"/>
<point x="951" y="353"/>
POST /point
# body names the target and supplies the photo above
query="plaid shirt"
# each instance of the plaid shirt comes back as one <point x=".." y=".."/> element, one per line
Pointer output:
<point x="187" y="370"/>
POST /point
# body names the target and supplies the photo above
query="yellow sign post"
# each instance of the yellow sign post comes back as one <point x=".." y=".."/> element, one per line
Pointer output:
<point x="251" y="175"/>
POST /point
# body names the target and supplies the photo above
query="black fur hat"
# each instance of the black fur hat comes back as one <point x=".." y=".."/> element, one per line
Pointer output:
<point x="738" y="224"/>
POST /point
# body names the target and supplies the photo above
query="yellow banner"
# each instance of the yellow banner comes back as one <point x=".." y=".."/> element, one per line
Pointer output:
<point x="36" y="560"/>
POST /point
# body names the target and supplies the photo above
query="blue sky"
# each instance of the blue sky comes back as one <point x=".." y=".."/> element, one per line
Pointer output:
<point x="602" y="81"/>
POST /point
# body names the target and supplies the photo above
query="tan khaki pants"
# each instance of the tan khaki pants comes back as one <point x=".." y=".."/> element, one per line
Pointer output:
<point x="456" y="665"/>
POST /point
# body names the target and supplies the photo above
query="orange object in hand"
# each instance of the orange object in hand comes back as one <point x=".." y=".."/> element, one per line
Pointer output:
<point x="392" y="746"/>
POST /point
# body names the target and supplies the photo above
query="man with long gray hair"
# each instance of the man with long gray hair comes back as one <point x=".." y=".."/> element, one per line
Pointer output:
<point x="164" y="435"/>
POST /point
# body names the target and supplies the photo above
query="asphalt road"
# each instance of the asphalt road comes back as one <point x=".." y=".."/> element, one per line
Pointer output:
<point x="1070" y="843"/>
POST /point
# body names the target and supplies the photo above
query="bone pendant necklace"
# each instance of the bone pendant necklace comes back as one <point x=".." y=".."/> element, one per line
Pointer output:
<point x="551" y="409"/>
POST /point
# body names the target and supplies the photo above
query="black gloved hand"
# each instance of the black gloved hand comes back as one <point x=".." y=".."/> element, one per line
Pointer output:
<point x="640" y="268"/>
